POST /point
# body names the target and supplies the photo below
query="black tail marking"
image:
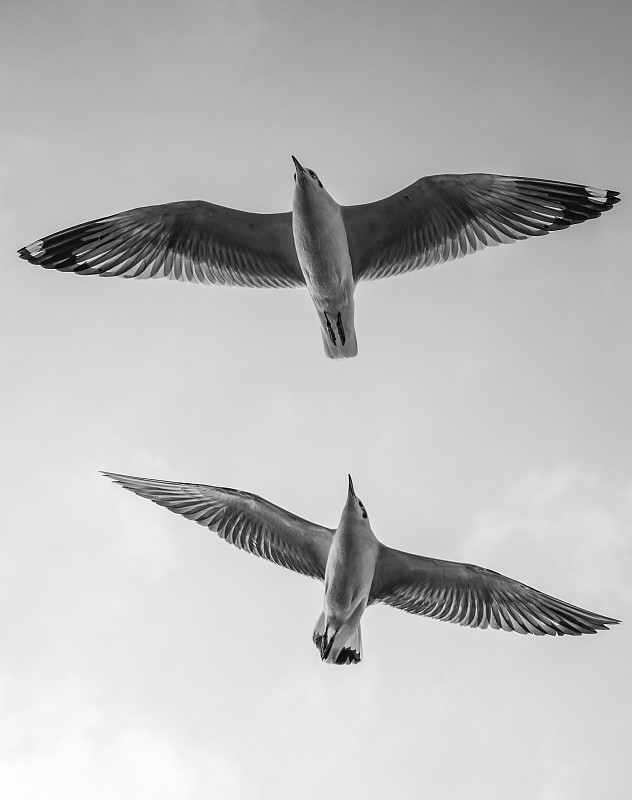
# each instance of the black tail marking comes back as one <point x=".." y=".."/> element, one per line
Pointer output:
<point x="330" y="330"/>
<point x="346" y="656"/>
<point x="341" y="330"/>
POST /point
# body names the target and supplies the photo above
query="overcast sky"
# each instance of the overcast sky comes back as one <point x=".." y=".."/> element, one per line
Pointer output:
<point x="486" y="418"/>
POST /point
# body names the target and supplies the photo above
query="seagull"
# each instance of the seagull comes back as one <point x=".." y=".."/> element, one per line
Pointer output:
<point x="358" y="570"/>
<point x="321" y="245"/>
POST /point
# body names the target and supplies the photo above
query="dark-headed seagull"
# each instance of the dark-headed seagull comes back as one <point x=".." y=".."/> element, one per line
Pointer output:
<point x="320" y="244"/>
<point x="358" y="570"/>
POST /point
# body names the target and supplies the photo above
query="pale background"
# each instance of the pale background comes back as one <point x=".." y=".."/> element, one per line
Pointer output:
<point x="486" y="418"/>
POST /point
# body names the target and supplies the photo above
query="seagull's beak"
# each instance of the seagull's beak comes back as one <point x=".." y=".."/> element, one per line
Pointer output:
<point x="299" y="168"/>
<point x="351" y="489"/>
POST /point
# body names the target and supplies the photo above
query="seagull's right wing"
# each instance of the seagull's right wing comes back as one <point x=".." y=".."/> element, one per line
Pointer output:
<point x="243" y="519"/>
<point x="475" y="596"/>
<point x="441" y="217"/>
<point x="190" y="241"/>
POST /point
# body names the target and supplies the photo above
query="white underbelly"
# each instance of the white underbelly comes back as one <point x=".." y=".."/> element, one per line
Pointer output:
<point x="348" y="578"/>
<point x="323" y="255"/>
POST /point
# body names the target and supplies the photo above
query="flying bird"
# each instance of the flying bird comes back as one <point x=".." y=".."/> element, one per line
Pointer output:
<point x="358" y="570"/>
<point x="320" y="244"/>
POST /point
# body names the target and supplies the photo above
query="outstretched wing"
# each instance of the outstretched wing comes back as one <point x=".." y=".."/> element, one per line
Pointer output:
<point x="187" y="241"/>
<point x="475" y="596"/>
<point x="243" y="519"/>
<point x="442" y="217"/>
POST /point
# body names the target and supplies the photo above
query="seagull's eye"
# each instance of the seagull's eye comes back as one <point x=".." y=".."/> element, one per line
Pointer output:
<point x="313" y="174"/>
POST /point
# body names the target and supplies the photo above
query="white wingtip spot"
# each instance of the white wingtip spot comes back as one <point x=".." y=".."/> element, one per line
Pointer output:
<point x="36" y="249"/>
<point x="597" y="195"/>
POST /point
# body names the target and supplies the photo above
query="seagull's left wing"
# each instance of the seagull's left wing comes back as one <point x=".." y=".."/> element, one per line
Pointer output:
<point x="192" y="241"/>
<point x="243" y="519"/>
<point x="442" y="217"/>
<point x="475" y="596"/>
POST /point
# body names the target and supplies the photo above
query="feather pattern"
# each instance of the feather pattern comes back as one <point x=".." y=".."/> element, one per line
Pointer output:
<point x="192" y="241"/>
<point x="359" y="571"/>
<point x="242" y="519"/>
<point x="442" y="217"/>
<point x="475" y="597"/>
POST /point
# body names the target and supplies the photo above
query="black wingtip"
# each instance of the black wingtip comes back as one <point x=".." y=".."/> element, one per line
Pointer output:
<point x="612" y="198"/>
<point x="46" y="253"/>
<point x="34" y="253"/>
<point x="577" y="202"/>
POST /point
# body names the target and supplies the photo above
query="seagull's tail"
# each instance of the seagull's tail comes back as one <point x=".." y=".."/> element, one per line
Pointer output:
<point x="331" y="649"/>
<point x="339" y="338"/>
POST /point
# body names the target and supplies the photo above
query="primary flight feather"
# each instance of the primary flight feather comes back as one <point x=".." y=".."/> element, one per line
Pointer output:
<point x="358" y="570"/>
<point x="321" y="245"/>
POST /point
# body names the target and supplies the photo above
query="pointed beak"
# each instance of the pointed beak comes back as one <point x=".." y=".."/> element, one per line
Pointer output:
<point x="351" y="489"/>
<point x="299" y="168"/>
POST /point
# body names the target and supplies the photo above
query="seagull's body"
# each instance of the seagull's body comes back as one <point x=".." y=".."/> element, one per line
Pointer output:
<point x="349" y="574"/>
<point x="358" y="570"/>
<point x="321" y="245"/>
<point x="322" y="249"/>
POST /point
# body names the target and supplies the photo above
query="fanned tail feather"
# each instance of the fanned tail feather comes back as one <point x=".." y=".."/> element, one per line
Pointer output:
<point x="351" y="653"/>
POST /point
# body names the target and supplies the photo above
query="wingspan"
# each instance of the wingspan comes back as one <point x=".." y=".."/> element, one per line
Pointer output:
<point x="474" y="596"/>
<point x="442" y="217"/>
<point x="188" y="241"/>
<point x="243" y="519"/>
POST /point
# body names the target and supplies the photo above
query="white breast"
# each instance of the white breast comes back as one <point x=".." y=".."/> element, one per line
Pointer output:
<point x="321" y="244"/>
<point x="350" y="567"/>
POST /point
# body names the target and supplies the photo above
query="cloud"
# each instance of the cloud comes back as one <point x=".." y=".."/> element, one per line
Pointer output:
<point x="63" y="746"/>
<point x="566" y="525"/>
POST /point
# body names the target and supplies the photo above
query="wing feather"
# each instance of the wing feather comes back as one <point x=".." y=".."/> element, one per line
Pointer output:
<point x="191" y="241"/>
<point x="475" y="597"/>
<point x="442" y="217"/>
<point x="243" y="519"/>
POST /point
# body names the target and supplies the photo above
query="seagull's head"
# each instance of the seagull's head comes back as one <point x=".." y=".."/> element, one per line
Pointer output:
<point x="305" y="178"/>
<point x="355" y="506"/>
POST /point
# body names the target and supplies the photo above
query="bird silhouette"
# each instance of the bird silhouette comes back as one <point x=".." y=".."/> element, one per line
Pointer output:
<point x="358" y="570"/>
<point x="321" y="245"/>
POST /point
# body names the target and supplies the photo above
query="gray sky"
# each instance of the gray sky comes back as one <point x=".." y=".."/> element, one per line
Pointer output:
<point x="485" y="419"/>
